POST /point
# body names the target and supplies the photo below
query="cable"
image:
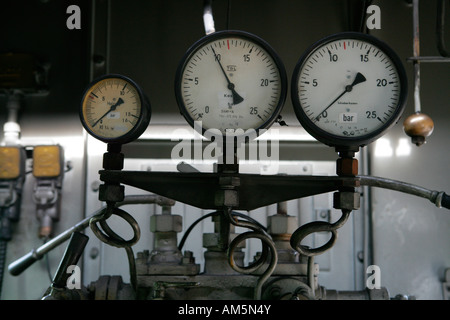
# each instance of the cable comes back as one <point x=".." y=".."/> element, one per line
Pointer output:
<point x="440" y="23"/>
<point x="259" y="232"/>
<point x="191" y="227"/>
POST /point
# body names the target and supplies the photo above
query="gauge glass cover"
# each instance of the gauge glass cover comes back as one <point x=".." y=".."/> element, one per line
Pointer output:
<point x="348" y="89"/>
<point x="231" y="80"/>
<point x="113" y="109"/>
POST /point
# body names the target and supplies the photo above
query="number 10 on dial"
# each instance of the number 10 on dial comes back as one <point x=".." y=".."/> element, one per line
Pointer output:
<point x="348" y="89"/>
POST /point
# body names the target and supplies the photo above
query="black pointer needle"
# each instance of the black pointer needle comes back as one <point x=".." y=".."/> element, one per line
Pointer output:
<point x="236" y="97"/>
<point x="358" y="79"/>
<point x="113" y="107"/>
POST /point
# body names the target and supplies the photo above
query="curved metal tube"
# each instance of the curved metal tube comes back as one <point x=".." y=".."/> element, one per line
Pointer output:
<point x="108" y="236"/>
<point x="267" y="243"/>
<point x="310" y="274"/>
<point x="317" y="226"/>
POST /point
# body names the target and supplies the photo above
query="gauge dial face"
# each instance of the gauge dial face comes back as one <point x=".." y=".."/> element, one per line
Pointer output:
<point x="231" y="80"/>
<point x="113" y="109"/>
<point x="348" y="89"/>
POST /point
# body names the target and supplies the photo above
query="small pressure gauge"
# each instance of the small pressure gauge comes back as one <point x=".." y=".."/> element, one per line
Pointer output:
<point x="348" y="89"/>
<point x="114" y="109"/>
<point x="231" y="80"/>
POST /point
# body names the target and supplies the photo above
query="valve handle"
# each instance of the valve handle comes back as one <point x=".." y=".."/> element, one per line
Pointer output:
<point x="71" y="256"/>
<point x="20" y="265"/>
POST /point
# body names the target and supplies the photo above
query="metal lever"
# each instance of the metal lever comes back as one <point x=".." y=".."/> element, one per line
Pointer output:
<point x="59" y="289"/>
<point x="71" y="256"/>
<point x="23" y="263"/>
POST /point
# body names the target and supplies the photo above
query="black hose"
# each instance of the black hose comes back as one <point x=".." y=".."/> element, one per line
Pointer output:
<point x="191" y="227"/>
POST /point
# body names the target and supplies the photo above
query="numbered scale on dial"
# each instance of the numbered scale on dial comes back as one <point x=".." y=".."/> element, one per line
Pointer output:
<point x="114" y="109"/>
<point x="231" y="80"/>
<point x="348" y="89"/>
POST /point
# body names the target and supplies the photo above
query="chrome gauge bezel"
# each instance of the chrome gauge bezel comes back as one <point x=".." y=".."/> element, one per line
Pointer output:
<point x="143" y="118"/>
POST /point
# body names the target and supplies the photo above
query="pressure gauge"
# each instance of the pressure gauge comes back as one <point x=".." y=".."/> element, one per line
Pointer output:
<point x="114" y="109"/>
<point x="348" y="89"/>
<point x="231" y="80"/>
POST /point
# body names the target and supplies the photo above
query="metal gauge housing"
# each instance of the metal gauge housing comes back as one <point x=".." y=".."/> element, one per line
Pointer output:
<point x="114" y="109"/>
<point x="348" y="89"/>
<point x="231" y="80"/>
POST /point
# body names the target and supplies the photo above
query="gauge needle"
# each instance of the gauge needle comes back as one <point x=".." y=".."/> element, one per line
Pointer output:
<point x="236" y="97"/>
<point x="358" y="79"/>
<point x="113" y="107"/>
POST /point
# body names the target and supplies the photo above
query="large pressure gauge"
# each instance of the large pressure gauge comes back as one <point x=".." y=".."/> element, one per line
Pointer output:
<point x="348" y="89"/>
<point x="231" y="80"/>
<point x="114" y="109"/>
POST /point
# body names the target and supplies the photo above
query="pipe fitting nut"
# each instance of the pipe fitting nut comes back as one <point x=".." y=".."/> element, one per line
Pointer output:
<point x="346" y="200"/>
<point x="282" y="224"/>
<point x="166" y="223"/>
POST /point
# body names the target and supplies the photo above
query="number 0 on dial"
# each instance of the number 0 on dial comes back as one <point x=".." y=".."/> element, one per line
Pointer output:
<point x="348" y="89"/>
